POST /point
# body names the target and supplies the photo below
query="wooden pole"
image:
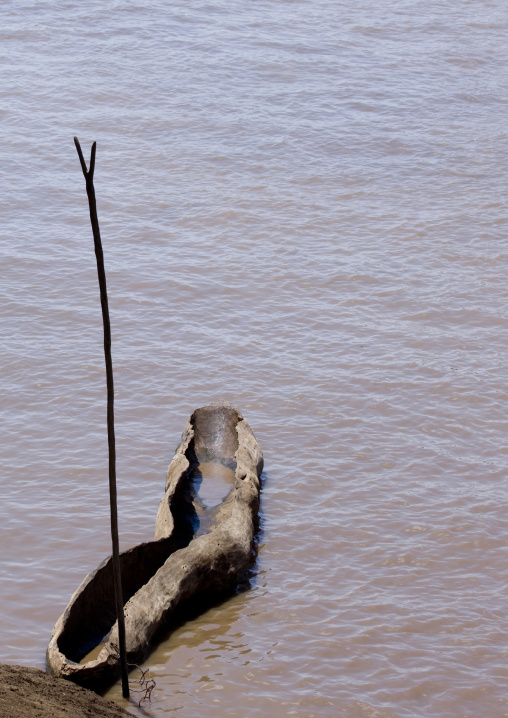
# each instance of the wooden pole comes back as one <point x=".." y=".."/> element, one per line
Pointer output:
<point x="90" y="190"/>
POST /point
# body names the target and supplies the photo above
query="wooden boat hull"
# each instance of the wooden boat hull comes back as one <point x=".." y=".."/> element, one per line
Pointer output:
<point x="179" y="565"/>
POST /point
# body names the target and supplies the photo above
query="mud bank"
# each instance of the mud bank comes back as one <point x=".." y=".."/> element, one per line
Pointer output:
<point x="31" y="693"/>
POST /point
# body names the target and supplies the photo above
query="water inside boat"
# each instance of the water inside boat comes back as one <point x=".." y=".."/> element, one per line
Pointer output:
<point x="93" y="654"/>
<point x="212" y="482"/>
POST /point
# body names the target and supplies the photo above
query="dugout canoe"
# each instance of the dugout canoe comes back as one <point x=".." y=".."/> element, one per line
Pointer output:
<point x="197" y="555"/>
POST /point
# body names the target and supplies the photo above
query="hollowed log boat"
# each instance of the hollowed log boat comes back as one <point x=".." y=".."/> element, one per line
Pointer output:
<point x="198" y="553"/>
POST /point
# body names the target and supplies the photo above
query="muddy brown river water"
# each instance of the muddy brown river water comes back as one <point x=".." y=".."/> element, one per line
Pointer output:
<point x="303" y="210"/>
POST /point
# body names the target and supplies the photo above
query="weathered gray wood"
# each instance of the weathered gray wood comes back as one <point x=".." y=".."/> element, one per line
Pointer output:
<point x="177" y="566"/>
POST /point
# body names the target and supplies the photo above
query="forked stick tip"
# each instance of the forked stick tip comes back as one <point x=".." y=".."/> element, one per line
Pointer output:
<point x="80" y="155"/>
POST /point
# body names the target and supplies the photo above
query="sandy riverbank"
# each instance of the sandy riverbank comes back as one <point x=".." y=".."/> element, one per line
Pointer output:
<point x="31" y="693"/>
